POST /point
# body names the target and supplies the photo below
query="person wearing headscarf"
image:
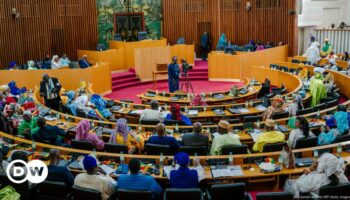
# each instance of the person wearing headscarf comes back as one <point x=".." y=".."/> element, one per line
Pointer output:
<point x="302" y="130"/>
<point x="55" y="62"/>
<point x="313" y="54"/>
<point x="15" y="90"/>
<point x="341" y="120"/>
<point x="123" y="135"/>
<point x="326" y="48"/>
<point x="95" y="178"/>
<point x="333" y="65"/>
<point x="222" y="44"/>
<point x="223" y="137"/>
<point x="313" y="41"/>
<point x="28" y="126"/>
<point x="12" y="112"/>
<point x="50" y="89"/>
<point x="46" y="63"/>
<point x="176" y="115"/>
<point x="100" y="105"/>
<point x="329" y="170"/>
<point x="270" y="136"/>
<point x="31" y="65"/>
<point x="303" y="72"/>
<point x="332" y="55"/>
<point x="12" y="65"/>
<point x="345" y="56"/>
<point x="184" y="177"/>
<point x="259" y="46"/>
<point x="198" y="101"/>
<point x="328" y="81"/>
<point x="317" y="89"/>
<point x="83" y="133"/>
<point x="277" y="106"/>
<point x="173" y="75"/>
<point x="296" y="105"/>
<point x="84" y="63"/>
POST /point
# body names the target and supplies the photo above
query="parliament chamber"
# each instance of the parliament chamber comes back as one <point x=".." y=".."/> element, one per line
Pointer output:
<point x="166" y="99"/>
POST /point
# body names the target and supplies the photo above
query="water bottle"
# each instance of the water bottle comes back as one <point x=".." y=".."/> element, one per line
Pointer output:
<point x="195" y="158"/>
<point x="94" y="152"/>
<point x="92" y="124"/>
<point x="315" y="154"/>
<point x="66" y="117"/>
<point x="318" y="114"/>
<point x="276" y="126"/>
<point x="163" y="93"/>
<point x="58" y="117"/>
<point x="280" y="161"/>
<point x="165" y="107"/>
<point x="208" y="130"/>
<point x="246" y="104"/>
<point x="251" y="103"/>
<point x="176" y="128"/>
<point x="157" y="92"/>
<point x="186" y="108"/>
<point x="161" y="159"/>
<point x="230" y="158"/>
<point x="33" y="146"/>
<point x="339" y="150"/>
<point x="121" y="157"/>
<point x="188" y="96"/>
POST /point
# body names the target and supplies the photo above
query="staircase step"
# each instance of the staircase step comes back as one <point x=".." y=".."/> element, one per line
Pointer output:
<point x="125" y="85"/>
<point x="125" y="80"/>
<point x="123" y="75"/>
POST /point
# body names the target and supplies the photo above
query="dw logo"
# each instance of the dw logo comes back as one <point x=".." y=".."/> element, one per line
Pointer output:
<point x="19" y="171"/>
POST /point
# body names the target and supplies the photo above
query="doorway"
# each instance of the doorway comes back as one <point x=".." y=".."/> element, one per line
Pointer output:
<point x="201" y="28"/>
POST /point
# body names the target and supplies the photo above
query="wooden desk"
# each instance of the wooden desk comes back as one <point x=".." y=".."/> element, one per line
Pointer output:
<point x="225" y="67"/>
<point x="146" y="59"/>
<point x="161" y="69"/>
<point x="69" y="78"/>
<point x="129" y="48"/>
<point x="115" y="58"/>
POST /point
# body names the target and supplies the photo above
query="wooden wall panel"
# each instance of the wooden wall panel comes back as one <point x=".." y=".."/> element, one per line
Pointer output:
<point x="268" y="20"/>
<point x="46" y="27"/>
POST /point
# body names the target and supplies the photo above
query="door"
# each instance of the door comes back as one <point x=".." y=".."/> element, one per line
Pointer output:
<point x="201" y="28"/>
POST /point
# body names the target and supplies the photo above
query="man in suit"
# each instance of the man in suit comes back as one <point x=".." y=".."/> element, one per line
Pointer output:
<point x="196" y="138"/>
<point x="205" y="45"/>
<point x="49" y="90"/>
<point x="173" y="75"/>
<point x="84" y="63"/>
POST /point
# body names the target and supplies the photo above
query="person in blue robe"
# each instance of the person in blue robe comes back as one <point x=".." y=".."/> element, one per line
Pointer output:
<point x="100" y="105"/>
<point x="173" y="75"/>
<point x="222" y="44"/>
<point x="205" y="45"/>
<point x="15" y="90"/>
<point x="84" y="63"/>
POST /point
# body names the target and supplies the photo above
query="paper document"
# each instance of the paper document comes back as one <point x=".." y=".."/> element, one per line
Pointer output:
<point x="107" y="169"/>
<point x="261" y="108"/>
<point x="230" y="171"/>
<point x="243" y="110"/>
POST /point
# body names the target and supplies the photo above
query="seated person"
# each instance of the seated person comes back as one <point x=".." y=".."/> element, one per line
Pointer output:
<point x="333" y="65"/>
<point x="95" y="178"/>
<point x="184" y="177"/>
<point x="270" y="136"/>
<point x="138" y="181"/>
<point x="84" y="63"/>
<point x="326" y="136"/>
<point x="259" y="46"/>
<point x="64" y="60"/>
<point x="20" y="155"/>
<point x="223" y="137"/>
<point x="59" y="173"/>
<point x="163" y="139"/>
<point x="197" y="138"/>
<point x="328" y="81"/>
<point x="277" y="106"/>
<point x="28" y="126"/>
<point x="152" y="114"/>
<point x="303" y="72"/>
<point x="341" y="120"/>
<point x="83" y="134"/>
<point x="12" y="65"/>
<point x="100" y="105"/>
<point x="176" y="115"/>
<point x="3" y="164"/>
<point x="55" y="63"/>
<point x="332" y="56"/>
<point x="302" y="131"/>
<point x="123" y="135"/>
<point x="198" y="101"/>
<point x="12" y="111"/>
<point x="48" y="134"/>
<point x="296" y="105"/>
<point x="329" y="170"/>
<point x="317" y="88"/>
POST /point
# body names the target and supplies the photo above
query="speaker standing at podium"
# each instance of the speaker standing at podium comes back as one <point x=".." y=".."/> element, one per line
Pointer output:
<point x="173" y="75"/>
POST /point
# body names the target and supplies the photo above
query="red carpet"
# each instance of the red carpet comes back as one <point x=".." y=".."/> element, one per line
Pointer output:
<point x="126" y="85"/>
<point x="198" y="86"/>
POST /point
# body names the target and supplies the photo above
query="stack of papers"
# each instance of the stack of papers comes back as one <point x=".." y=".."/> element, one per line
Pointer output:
<point x="229" y="171"/>
<point x="136" y="112"/>
<point x="219" y="112"/>
<point x="243" y="110"/>
<point x="254" y="134"/>
<point x="107" y="169"/>
<point x="218" y="96"/>
<point x="193" y="112"/>
<point x="261" y="108"/>
<point x="234" y="110"/>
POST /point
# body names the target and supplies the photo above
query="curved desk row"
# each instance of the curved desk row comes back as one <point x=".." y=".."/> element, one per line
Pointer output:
<point x="342" y="64"/>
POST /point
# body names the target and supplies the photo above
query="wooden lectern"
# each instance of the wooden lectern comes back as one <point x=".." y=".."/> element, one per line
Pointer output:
<point x="162" y="69"/>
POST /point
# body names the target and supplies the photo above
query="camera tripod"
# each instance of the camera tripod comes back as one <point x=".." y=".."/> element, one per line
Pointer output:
<point x="186" y="81"/>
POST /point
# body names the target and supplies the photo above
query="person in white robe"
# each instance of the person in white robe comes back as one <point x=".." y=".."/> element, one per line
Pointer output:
<point x="313" y="53"/>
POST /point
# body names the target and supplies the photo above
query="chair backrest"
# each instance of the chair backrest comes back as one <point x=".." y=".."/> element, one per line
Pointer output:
<point x="192" y="150"/>
<point x="272" y="147"/>
<point x="81" y="144"/>
<point x="295" y="61"/>
<point x="142" y="35"/>
<point x="305" y="111"/>
<point x="133" y="194"/>
<point x="233" y="121"/>
<point x="50" y="190"/>
<point x="149" y="122"/>
<point x="280" y="115"/>
<point x="81" y="113"/>
<point x="306" y="142"/>
<point x="20" y="188"/>
<point x="321" y="106"/>
<point x="228" y="191"/>
<point x="274" y="66"/>
<point x="252" y="118"/>
<point x="156" y="149"/>
<point x="181" y="40"/>
<point x="85" y="193"/>
<point x="101" y="47"/>
<point x="171" y="122"/>
<point x="176" y="194"/>
<point x="274" y="196"/>
<point x="162" y="67"/>
<point x="247" y="125"/>
<point x="332" y="103"/>
<point x="234" y="149"/>
<point x="335" y="191"/>
<point x="116" y="148"/>
<point x="342" y="138"/>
